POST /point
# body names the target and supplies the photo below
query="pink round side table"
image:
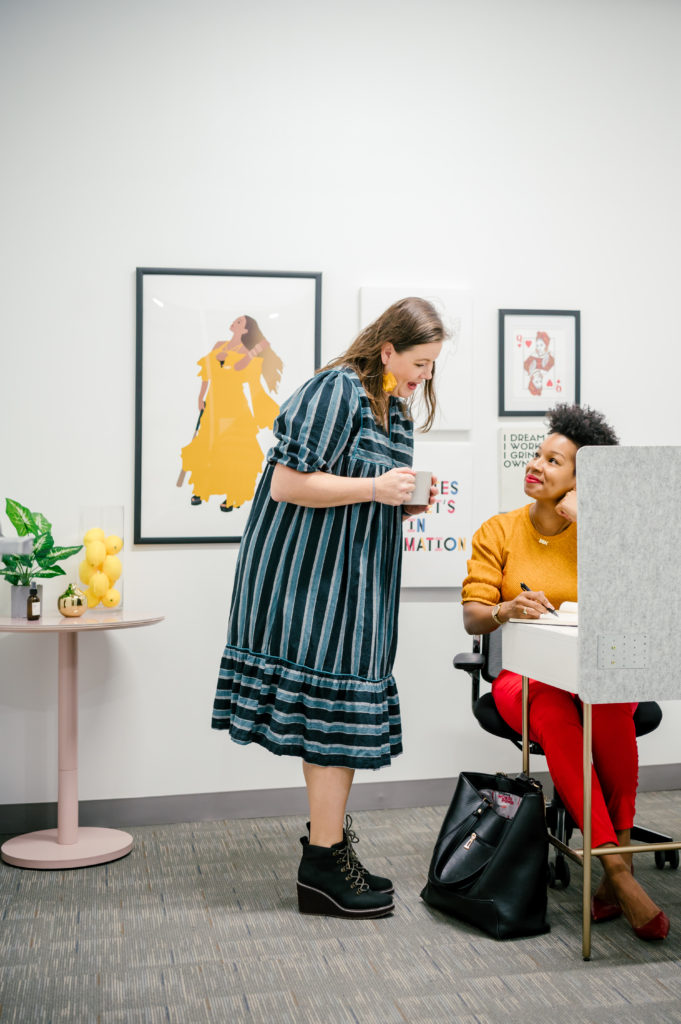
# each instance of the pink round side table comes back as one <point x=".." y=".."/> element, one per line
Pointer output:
<point x="68" y="845"/>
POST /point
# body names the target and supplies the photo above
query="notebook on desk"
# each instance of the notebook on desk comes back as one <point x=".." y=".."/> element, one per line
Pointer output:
<point x="566" y="615"/>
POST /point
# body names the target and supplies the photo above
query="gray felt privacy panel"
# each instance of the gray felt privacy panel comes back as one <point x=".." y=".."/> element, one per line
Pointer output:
<point x="629" y="551"/>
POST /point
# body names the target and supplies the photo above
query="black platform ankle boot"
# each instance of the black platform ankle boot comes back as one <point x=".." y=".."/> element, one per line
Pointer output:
<point x="377" y="883"/>
<point x="329" y="883"/>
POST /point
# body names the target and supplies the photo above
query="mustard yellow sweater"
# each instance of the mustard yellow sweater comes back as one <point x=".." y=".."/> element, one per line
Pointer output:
<point x="508" y="551"/>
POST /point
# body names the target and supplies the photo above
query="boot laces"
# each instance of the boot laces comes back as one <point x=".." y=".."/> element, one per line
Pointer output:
<point x="351" y="838"/>
<point x="352" y="869"/>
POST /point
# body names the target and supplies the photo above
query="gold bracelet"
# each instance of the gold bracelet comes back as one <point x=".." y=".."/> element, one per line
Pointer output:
<point x="495" y="614"/>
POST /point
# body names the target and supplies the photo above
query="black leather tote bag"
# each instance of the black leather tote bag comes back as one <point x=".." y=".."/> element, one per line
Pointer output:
<point x="489" y="865"/>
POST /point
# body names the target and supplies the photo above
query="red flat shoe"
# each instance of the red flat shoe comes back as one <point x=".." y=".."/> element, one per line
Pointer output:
<point x="656" y="928"/>
<point x="601" y="910"/>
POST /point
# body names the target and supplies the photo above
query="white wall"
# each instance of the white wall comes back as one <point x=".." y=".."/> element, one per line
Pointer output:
<point x="527" y="150"/>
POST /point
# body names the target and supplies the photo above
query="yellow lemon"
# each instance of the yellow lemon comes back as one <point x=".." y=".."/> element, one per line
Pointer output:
<point x="112" y="567"/>
<point x="111" y="598"/>
<point x="113" y="544"/>
<point x="85" y="571"/>
<point x="92" y="599"/>
<point x="99" y="584"/>
<point x="95" y="553"/>
<point x="94" y="534"/>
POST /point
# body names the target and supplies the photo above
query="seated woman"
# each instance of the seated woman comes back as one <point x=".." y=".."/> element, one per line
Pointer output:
<point x="537" y="545"/>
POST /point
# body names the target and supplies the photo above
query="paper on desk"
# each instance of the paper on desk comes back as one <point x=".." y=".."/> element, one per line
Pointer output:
<point x="566" y="616"/>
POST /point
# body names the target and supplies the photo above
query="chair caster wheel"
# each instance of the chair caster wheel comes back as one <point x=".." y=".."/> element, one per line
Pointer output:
<point x="670" y="857"/>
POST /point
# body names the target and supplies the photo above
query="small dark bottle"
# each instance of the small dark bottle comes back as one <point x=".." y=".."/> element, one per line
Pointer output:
<point x="33" y="604"/>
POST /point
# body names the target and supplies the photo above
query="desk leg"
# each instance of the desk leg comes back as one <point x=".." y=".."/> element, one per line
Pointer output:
<point x="67" y="846"/>
<point x="586" y="832"/>
<point x="526" y="725"/>
<point x="67" y="801"/>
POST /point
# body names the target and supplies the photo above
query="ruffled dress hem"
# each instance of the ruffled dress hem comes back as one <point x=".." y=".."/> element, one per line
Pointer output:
<point x="293" y="710"/>
<point x="311" y="757"/>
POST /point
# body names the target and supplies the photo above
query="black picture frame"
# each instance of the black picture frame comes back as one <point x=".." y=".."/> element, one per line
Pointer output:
<point x="539" y="360"/>
<point x="183" y="319"/>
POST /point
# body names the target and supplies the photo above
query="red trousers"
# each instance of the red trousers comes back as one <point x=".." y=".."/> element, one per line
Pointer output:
<point x="556" y="724"/>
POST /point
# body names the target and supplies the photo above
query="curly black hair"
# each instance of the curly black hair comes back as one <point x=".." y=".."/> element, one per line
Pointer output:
<point x="581" y="425"/>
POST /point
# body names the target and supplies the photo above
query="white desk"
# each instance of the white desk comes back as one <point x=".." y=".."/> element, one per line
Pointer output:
<point x="547" y="653"/>
<point x="68" y="845"/>
<point x="551" y="655"/>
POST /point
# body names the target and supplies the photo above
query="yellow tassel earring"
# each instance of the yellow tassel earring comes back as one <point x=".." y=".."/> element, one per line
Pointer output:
<point x="389" y="381"/>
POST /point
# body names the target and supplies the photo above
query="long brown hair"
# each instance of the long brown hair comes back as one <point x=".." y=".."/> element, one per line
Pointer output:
<point x="271" y="363"/>
<point x="405" y="324"/>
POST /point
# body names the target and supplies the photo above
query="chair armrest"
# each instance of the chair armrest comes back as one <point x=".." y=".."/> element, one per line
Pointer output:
<point x="647" y="717"/>
<point x="469" y="661"/>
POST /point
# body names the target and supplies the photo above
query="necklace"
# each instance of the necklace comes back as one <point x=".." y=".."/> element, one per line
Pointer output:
<point x="541" y="539"/>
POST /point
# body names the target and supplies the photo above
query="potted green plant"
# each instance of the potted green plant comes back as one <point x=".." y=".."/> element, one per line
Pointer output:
<point x="40" y="563"/>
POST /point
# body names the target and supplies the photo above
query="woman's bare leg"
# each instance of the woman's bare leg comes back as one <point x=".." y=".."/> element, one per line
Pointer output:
<point x="605" y="892"/>
<point x="328" y="789"/>
<point x="619" y="885"/>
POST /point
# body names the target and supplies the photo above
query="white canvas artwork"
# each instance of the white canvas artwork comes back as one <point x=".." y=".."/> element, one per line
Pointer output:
<point x="436" y="546"/>
<point x="453" y="374"/>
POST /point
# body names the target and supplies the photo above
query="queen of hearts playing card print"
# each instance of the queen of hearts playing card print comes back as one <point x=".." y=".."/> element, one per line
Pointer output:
<point x="538" y="360"/>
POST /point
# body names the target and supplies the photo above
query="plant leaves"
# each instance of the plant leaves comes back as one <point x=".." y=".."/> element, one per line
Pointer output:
<point x="42" y="525"/>
<point x="20" y="517"/>
<point x="45" y="574"/>
<point x="43" y="545"/>
<point x="57" y="554"/>
<point x="20" y="563"/>
<point x="15" y="581"/>
<point x="16" y="569"/>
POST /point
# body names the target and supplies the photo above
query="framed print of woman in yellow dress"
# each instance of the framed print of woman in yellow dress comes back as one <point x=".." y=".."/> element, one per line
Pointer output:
<point x="238" y="377"/>
<point x="271" y="347"/>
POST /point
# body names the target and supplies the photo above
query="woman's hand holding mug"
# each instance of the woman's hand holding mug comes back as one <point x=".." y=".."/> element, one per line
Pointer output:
<point x="395" y="487"/>
<point x="430" y="495"/>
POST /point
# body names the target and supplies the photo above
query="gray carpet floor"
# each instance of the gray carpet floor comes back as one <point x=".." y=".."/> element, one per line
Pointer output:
<point x="200" y="923"/>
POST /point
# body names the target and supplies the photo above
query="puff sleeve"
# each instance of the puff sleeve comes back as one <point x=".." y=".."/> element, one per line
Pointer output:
<point x="486" y="564"/>
<point x="317" y="424"/>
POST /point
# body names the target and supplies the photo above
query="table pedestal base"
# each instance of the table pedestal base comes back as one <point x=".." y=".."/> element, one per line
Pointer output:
<point x="41" y="849"/>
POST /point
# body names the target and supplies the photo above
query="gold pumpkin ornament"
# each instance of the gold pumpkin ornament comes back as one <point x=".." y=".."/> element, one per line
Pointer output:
<point x="72" y="602"/>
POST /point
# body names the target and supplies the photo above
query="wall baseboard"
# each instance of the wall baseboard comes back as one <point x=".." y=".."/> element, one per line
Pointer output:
<point x="266" y="803"/>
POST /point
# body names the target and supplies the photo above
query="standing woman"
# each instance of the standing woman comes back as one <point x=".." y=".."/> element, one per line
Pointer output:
<point x="307" y="668"/>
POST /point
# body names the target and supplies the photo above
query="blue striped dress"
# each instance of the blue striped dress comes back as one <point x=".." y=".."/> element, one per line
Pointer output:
<point x="307" y="668"/>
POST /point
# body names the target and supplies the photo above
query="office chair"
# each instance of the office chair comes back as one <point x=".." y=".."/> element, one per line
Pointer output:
<point x="485" y="662"/>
